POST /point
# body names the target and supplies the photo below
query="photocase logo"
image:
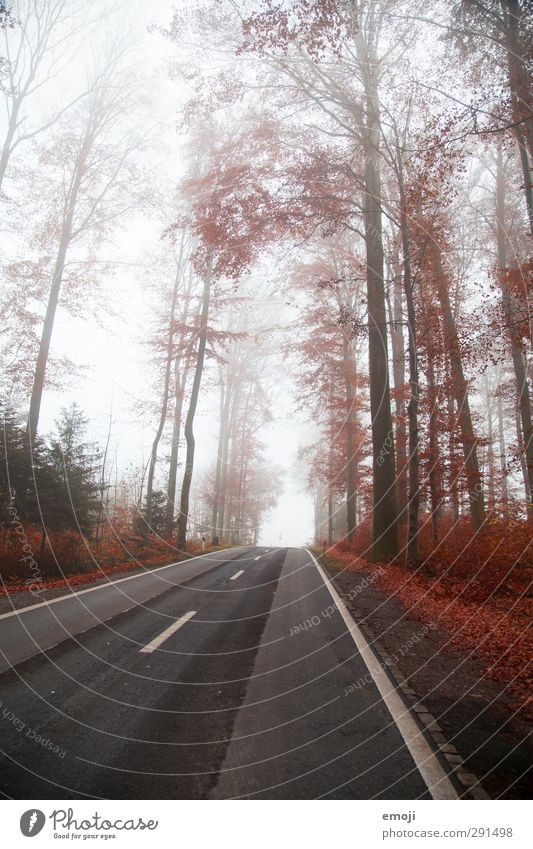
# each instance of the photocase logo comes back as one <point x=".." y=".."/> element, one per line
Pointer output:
<point x="32" y="822"/>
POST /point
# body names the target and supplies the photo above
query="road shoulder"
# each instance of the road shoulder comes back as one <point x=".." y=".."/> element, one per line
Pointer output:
<point x="465" y="709"/>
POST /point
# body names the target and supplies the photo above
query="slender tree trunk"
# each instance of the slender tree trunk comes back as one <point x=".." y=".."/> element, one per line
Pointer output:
<point x="414" y="381"/>
<point x="330" y="515"/>
<point x="46" y="338"/>
<point x="316" y="502"/>
<point x="491" y="482"/>
<point x="520" y="88"/>
<point x="243" y="466"/>
<point x="234" y="388"/>
<point x="435" y="468"/>
<point x="517" y="355"/>
<point x="526" y="174"/>
<point x="398" y="373"/>
<point x="189" y="422"/>
<point x="224" y="399"/>
<point x="102" y="480"/>
<point x="503" y="462"/>
<point x="384" y="507"/>
<point x="351" y="460"/>
<point x="180" y="384"/>
<point x="223" y="511"/>
<point x="57" y="278"/>
<point x="164" y="399"/>
<point x="452" y="454"/>
<point x="460" y="392"/>
<point x="435" y="475"/>
<point x="8" y="141"/>
<point x="523" y="464"/>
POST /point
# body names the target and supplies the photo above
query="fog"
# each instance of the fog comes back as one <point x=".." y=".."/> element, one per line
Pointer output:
<point x="162" y="144"/>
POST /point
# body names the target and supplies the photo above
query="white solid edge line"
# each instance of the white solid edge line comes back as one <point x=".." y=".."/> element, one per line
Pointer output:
<point x="157" y="641"/>
<point x="427" y="763"/>
<point x="108" y="584"/>
<point x="237" y="575"/>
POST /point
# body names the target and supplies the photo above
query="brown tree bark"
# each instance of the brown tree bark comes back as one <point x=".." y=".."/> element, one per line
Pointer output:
<point x="460" y="392"/>
<point x="180" y="383"/>
<point x="223" y="423"/>
<point x="521" y="96"/>
<point x="414" y="380"/>
<point x="351" y="459"/>
<point x="169" y="356"/>
<point x="193" y="403"/>
<point x="398" y="375"/>
<point x="517" y="354"/>
<point x="57" y="279"/>
<point x="503" y="462"/>
<point x="384" y="506"/>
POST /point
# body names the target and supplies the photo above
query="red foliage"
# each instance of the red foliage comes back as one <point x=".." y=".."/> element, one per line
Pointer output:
<point x="477" y="587"/>
<point x="70" y="561"/>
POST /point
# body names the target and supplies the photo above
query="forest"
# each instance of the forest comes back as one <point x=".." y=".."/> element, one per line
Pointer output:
<point x="238" y="224"/>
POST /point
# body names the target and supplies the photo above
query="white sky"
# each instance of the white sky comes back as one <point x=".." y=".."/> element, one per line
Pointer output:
<point x="113" y="361"/>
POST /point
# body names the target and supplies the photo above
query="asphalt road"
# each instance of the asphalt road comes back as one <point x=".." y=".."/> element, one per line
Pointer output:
<point x="233" y="675"/>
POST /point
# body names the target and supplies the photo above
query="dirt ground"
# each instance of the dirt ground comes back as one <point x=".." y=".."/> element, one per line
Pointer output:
<point x="476" y="713"/>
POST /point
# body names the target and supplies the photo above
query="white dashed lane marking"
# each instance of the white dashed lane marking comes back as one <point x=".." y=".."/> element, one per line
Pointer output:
<point x="157" y="641"/>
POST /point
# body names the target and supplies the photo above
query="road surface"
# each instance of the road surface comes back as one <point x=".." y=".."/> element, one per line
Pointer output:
<point x="233" y="675"/>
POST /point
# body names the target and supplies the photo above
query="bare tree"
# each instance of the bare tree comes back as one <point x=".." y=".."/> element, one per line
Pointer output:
<point x="193" y="403"/>
<point x="94" y="160"/>
<point x="41" y="43"/>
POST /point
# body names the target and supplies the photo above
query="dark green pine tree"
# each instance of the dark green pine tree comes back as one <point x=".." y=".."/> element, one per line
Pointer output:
<point x="22" y="476"/>
<point x="157" y="514"/>
<point x="72" y="499"/>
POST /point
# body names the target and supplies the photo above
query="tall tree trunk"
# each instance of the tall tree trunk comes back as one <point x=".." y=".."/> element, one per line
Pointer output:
<point x="44" y="346"/>
<point x="7" y="147"/>
<point x="193" y="403"/>
<point x="164" y="398"/>
<point x="180" y="385"/>
<point x="526" y="174"/>
<point x="460" y="393"/>
<point x="223" y="511"/>
<point x="351" y="459"/>
<point x="46" y="335"/>
<point x="435" y="472"/>
<point x="520" y="88"/>
<point x="491" y="480"/>
<point x="517" y="355"/>
<point x="243" y="467"/>
<point x="520" y="445"/>
<point x="384" y="506"/>
<point x="103" y="487"/>
<point x="503" y="462"/>
<point x="57" y="278"/>
<point x="330" y="514"/>
<point x="452" y="454"/>
<point x="398" y="374"/>
<point x="234" y="387"/>
<point x="316" y="502"/>
<point x="223" y="416"/>
<point x="414" y="381"/>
